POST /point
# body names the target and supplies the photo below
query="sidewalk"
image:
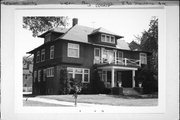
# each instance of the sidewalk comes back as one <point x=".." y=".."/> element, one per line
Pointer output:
<point x="64" y="103"/>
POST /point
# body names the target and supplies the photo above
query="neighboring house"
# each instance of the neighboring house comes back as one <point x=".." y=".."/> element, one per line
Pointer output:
<point x="27" y="74"/>
<point x="80" y="48"/>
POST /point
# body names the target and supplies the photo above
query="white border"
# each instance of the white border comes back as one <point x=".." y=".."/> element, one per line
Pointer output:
<point x="12" y="104"/>
<point x="18" y="78"/>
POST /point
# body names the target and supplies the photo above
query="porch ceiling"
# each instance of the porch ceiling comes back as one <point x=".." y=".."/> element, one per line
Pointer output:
<point x="117" y="68"/>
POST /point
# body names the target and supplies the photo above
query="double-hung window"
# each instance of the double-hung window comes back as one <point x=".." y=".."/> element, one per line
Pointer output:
<point x="39" y="75"/>
<point x="52" y="52"/>
<point x="73" y="50"/>
<point x="143" y="58"/>
<point x="107" y="38"/>
<point x="48" y="37"/>
<point x="35" y="76"/>
<point x="50" y="72"/>
<point x="38" y="57"/>
<point x="42" y="55"/>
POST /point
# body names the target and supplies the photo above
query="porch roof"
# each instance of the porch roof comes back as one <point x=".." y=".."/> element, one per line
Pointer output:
<point x="123" y="68"/>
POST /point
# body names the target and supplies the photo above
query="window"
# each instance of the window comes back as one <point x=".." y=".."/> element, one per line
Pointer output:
<point x="73" y="50"/>
<point x="107" y="38"/>
<point x="39" y="75"/>
<point x="112" y="39"/>
<point x="103" y="38"/>
<point x="35" y="75"/>
<point x="79" y="73"/>
<point x="44" y="75"/>
<point x="52" y="52"/>
<point x="42" y="55"/>
<point x="38" y="57"/>
<point x="96" y="55"/>
<point x="96" y="52"/>
<point x="50" y="72"/>
<point x="86" y="76"/>
<point x="104" y="76"/>
<point x="48" y="37"/>
<point x="143" y="58"/>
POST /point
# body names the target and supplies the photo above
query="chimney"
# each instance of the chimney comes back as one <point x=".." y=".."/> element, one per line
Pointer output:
<point x="74" y="21"/>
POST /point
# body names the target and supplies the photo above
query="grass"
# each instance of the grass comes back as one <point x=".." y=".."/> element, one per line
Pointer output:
<point x="107" y="99"/>
<point x="41" y="104"/>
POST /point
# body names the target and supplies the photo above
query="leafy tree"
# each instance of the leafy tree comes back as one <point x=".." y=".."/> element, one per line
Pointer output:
<point x="76" y="87"/>
<point x="41" y="24"/>
<point x="149" y="42"/>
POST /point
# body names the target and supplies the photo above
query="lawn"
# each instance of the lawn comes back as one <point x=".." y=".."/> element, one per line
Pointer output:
<point x="41" y="104"/>
<point x="107" y="99"/>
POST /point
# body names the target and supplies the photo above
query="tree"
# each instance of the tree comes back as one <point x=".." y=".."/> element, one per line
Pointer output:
<point x="76" y="87"/>
<point x="41" y="24"/>
<point x="149" y="42"/>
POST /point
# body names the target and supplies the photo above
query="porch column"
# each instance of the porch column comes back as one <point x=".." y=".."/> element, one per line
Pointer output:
<point x="133" y="80"/>
<point x="112" y="77"/>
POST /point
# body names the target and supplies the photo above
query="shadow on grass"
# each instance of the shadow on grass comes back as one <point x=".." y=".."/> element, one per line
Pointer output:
<point x="146" y="96"/>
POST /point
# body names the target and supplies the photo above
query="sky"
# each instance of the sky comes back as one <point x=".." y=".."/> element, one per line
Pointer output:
<point x="124" y="22"/>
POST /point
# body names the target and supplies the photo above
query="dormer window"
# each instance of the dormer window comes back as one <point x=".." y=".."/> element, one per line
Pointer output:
<point x="107" y="38"/>
<point x="47" y="37"/>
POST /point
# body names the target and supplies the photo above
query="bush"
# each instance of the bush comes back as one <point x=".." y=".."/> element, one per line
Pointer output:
<point x="148" y="79"/>
<point x="97" y="86"/>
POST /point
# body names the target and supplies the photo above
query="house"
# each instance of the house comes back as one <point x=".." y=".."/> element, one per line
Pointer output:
<point x="78" y="49"/>
<point x="27" y="74"/>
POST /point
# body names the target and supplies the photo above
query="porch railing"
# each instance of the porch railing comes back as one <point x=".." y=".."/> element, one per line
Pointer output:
<point x="118" y="61"/>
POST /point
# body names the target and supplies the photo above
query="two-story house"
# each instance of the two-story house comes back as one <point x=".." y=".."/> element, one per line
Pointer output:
<point x="78" y="49"/>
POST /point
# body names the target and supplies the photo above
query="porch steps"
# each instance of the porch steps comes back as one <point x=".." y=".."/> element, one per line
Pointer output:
<point x="130" y="91"/>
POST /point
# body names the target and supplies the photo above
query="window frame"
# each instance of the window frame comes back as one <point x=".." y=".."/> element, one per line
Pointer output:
<point x="73" y="72"/>
<point x="69" y="47"/>
<point x="50" y="72"/>
<point x="143" y="57"/>
<point x="39" y="75"/>
<point x="110" y="38"/>
<point x="52" y="52"/>
<point x="48" y="37"/>
<point x="35" y="75"/>
<point x="43" y="53"/>
<point x="38" y="57"/>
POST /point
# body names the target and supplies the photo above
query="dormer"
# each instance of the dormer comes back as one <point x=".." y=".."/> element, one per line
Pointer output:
<point x="52" y="34"/>
<point x="104" y="37"/>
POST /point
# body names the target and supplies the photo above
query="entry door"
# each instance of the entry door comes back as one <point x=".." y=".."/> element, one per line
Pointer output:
<point x="119" y="57"/>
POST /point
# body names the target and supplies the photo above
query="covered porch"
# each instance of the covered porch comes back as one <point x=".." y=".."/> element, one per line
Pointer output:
<point x="119" y="77"/>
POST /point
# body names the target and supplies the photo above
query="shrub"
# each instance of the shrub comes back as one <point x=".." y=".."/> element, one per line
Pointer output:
<point x="97" y="86"/>
<point x="148" y="79"/>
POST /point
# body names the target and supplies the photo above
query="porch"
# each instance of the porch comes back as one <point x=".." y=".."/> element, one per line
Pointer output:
<point x="120" y="79"/>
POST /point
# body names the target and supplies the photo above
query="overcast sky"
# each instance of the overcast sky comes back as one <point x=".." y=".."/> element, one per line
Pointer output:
<point x="125" y="22"/>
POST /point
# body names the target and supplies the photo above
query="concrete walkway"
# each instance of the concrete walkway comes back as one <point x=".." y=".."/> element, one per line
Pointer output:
<point x="51" y="101"/>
